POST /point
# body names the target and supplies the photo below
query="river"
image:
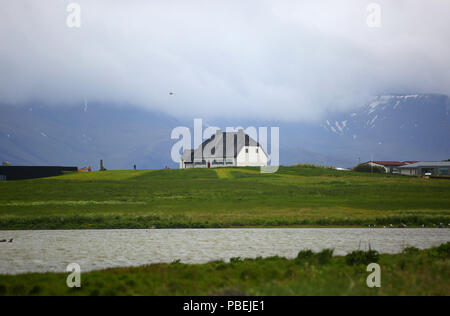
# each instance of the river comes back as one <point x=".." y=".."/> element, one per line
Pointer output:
<point x="52" y="251"/>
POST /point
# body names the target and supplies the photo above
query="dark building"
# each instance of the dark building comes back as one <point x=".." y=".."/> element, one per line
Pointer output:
<point x="32" y="172"/>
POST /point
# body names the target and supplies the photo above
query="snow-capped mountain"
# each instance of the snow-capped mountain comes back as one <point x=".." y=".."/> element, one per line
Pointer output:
<point x="410" y="127"/>
<point x="413" y="111"/>
<point x="388" y="127"/>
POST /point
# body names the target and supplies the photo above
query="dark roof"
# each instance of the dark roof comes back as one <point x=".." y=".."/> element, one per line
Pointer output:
<point x="220" y="145"/>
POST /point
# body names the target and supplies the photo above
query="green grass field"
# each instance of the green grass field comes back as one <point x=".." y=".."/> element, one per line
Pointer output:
<point x="303" y="196"/>
<point x="412" y="272"/>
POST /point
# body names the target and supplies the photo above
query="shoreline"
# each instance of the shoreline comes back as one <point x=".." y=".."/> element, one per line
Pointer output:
<point x="224" y="228"/>
<point x="411" y="272"/>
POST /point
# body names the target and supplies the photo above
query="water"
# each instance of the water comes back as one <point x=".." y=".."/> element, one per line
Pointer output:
<point x="52" y="251"/>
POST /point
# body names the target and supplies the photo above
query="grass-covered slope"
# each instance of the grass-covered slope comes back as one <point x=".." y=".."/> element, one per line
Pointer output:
<point x="413" y="272"/>
<point x="235" y="197"/>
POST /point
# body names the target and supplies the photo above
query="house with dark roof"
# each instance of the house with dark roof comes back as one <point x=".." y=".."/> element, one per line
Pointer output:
<point x="225" y="149"/>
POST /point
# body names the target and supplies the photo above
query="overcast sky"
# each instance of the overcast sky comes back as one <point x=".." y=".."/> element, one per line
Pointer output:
<point x="279" y="59"/>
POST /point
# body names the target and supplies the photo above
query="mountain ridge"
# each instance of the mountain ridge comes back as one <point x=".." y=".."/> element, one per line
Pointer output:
<point x="387" y="127"/>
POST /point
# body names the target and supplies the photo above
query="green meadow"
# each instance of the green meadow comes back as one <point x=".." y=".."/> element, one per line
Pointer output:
<point x="300" y="196"/>
<point x="413" y="272"/>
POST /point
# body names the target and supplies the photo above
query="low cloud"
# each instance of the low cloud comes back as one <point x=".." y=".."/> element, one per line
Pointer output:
<point x="281" y="59"/>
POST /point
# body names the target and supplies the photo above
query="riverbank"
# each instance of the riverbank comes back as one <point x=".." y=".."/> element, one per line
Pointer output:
<point x="51" y="251"/>
<point x="303" y="196"/>
<point x="142" y="222"/>
<point x="413" y="272"/>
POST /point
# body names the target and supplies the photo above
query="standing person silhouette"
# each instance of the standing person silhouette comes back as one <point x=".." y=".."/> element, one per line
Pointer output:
<point x="134" y="167"/>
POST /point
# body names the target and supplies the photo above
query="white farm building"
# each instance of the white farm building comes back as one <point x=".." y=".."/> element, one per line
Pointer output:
<point x="225" y="149"/>
<point x="437" y="168"/>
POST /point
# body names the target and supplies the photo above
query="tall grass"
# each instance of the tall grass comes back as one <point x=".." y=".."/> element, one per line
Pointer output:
<point x="421" y="272"/>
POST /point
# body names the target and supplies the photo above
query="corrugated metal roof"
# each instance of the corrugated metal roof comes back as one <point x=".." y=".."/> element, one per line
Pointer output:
<point x="429" y="164"/>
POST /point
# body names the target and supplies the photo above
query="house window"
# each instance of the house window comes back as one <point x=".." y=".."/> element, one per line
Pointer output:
<point x="257" y="150"/>
<point x="443" y="172"/>
<point x="246" y="151"/>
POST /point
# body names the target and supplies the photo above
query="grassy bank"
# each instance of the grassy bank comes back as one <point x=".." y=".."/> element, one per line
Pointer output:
<point x="412" y="272"/>
<point x="238" y="197"/>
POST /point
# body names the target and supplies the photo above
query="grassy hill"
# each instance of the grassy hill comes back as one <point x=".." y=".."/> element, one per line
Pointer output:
<point x="236" y="197"/>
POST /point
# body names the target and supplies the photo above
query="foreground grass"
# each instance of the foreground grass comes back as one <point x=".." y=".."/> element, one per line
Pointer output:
<point x="413" y="272"/>
<point x="213" y="198"/>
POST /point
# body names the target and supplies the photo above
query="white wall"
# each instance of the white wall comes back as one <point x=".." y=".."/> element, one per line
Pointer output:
<point x="408" y="172"/>
<point x="255" y="157"/>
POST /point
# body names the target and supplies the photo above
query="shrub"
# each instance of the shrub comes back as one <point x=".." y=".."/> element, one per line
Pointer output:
<point x="325" y="256"/>
<point x="367" y="168"/>
<point x="305" y="254"/>
<point x="362" y="257"/>
<point x="443" y="251"/>
<point x="236" y="260"/>
<point x="221" y="266"/>
<point x="411" y="250"/>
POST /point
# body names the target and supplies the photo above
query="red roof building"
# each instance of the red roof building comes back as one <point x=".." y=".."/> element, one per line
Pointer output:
<point x="390" y="163"/>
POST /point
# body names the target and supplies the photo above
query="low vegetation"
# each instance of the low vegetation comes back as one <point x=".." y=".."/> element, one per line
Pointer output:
<point x="413" y="272"/>
<point x="367" y="168"/>
<point x="298" y="196"/>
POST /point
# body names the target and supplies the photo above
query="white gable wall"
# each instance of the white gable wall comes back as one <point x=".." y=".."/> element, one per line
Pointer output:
<point x="251" y="156"/>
